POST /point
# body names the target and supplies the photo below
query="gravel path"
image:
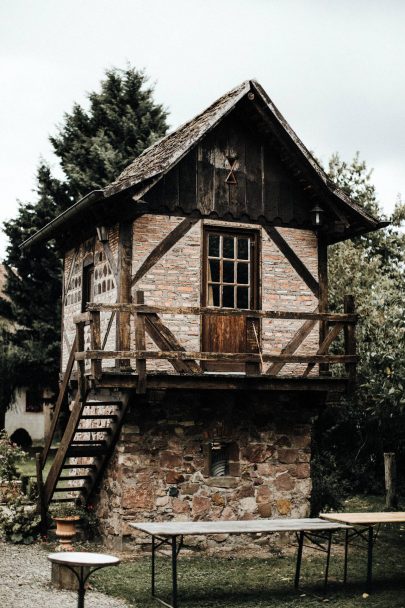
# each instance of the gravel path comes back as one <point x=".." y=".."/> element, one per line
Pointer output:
<point x="25" y="575"/>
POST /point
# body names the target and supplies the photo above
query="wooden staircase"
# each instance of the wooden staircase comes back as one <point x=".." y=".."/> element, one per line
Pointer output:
<point x="88" y="441"/>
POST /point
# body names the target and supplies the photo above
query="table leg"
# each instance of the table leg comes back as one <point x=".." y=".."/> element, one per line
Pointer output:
<point x="327" y="560"/>
<point x="346" y="556"/>
<point x="153" y="567"/>
<point x="82" y="589"/>
<point x="299" y="559"/>
<point x="370" y="558"/>
<point x="174" y="572"/>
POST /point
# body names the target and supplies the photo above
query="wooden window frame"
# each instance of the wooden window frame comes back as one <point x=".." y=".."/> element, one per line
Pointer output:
<point x="88" y="267"/>
<point x="254" y="234"/>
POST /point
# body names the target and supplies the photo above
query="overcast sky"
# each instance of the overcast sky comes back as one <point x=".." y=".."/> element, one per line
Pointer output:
<point x="335" y="69"/>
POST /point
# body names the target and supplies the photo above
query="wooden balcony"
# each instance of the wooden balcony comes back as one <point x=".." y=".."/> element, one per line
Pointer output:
<point x="319" y="370"/>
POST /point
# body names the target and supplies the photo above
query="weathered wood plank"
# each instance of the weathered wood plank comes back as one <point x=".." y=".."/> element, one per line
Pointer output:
<point x="323" y="290"/>
<point x="196" y="310"/>
<point x="140" y="343"/>
<point x="164" y="246"/>
<point x="165" y="339"/>
<point x="292" y="345"/>
<point x="59" y="403"/>
<point x="81" y="380"/>
<point x="294" y="260"/>
<point x="123" y="323"/>
<point x="330" y="337"/>
<point x="108" y="328"/>
<point x="204" y="356"/>
<point x="350" y="338"/>
<point x="95" y="334"/>
<point x="82" y="317"/>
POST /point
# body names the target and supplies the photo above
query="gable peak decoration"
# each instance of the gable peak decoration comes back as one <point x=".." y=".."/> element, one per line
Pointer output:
<point x="232" y="165"/>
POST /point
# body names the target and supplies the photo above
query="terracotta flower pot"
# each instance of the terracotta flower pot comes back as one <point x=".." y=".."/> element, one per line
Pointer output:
<point x="66" y="530"/>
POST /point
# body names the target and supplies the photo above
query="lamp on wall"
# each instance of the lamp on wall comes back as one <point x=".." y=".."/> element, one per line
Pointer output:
<point x="317" y="216"/>
<point x="102" y="233"/>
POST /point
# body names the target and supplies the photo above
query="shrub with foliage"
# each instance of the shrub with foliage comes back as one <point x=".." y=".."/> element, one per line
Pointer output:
<point x="10" y="456"/>
<point x="18" y="523"/>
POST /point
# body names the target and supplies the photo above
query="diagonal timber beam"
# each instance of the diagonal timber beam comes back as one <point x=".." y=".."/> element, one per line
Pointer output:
<point x="293" y="344"/>
<point x="165" y="340"/>
<point x="164" y="246"/>
<point x="324" y="347"/>
<point x="294" y="260"/>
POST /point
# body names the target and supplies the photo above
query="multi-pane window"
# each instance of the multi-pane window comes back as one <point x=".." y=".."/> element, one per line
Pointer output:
<point x="229" y="281"/>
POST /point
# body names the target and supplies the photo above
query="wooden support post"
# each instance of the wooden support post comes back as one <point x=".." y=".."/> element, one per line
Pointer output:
<point x="390" y="469"/>
<point x="140" y="344"/>
<point x="96" y="370"/>
<point x="350" y="340"/>
<point x="41" y="506"/>
<point x="124" y="291"/>
<point x="252" y="344"/>
<point x="81" y="379"/>
<point x="323" y="295"/>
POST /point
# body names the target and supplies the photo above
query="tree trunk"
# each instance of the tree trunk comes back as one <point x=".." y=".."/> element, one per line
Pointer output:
<point x="390" y="468"/>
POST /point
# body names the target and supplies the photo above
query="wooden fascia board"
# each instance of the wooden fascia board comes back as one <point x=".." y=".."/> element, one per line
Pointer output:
<point x="332" y="195"/>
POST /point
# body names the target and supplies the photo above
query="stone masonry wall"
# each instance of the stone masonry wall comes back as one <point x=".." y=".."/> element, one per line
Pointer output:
<point x="163" y="445"/>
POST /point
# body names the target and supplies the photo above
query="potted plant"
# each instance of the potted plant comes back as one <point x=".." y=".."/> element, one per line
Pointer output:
<point x="65" y="516"/>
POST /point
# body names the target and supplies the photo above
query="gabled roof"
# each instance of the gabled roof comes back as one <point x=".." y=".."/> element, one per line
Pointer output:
<point x="166" y="152"/>
<point x="148" y="168"/>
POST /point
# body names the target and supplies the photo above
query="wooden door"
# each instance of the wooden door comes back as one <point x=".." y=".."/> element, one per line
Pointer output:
<point x="230" y="276"/>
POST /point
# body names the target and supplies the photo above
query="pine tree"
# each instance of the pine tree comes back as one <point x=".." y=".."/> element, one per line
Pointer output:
<point x="93" y="147"/>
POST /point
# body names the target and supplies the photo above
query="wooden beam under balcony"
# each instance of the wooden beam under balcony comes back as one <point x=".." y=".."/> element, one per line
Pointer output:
<point x="212" y="381"/>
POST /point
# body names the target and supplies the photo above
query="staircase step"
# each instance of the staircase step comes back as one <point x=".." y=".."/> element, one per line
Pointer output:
<point x="73" y="477"/>
<point x="100" y="429"/>
<point x="73" y="500"/>
<point x="82" y="451"/>
<point x="112" y="417"/>
<point x="69" y="489"/>
<point x="79" y="466"/>
<point x="89" y="442"/>
<point x="102" y="403"/>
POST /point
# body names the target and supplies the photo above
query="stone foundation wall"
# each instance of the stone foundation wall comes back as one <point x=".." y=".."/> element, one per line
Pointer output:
<point x="163" y="451"/>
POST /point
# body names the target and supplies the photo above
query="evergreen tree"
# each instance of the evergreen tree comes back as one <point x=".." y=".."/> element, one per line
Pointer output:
<point x="93" y="147"/>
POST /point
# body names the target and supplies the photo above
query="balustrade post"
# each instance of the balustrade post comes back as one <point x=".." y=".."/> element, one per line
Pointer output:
<point x="81" y="379"/>
<point x="96" y="368"/>
<point x="252" y="344"/>
<point x="140" y="344"/>
<point x="350" y="339"/>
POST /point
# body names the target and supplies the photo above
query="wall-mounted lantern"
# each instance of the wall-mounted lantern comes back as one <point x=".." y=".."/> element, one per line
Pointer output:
<point x="102" y="233"/>
<point x="317" y="216"/>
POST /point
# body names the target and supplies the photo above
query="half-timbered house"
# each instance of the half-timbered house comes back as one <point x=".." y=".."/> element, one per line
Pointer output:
<point x="196" y="340"/>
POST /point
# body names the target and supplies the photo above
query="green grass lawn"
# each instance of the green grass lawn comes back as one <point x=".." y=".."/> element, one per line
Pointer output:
<point x="28" y="467"/>
<point x="266" y="583"/>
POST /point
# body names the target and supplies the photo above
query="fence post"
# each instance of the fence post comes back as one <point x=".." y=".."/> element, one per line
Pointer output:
<point x="350" y="339"/>
<point x="140" y="344"/>
<point x="96" y="369"/>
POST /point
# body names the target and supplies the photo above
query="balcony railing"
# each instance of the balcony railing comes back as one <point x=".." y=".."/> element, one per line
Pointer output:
<point x="147" y="321"/>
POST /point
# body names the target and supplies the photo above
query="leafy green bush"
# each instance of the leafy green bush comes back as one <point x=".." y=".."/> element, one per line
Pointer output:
<point x="19" y="524"/>
<point x="10" y="456"/>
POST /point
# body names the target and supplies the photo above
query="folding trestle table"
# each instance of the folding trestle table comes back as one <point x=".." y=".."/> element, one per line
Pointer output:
<point x="364" y="527"/>
<point x="316" y="531"/>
